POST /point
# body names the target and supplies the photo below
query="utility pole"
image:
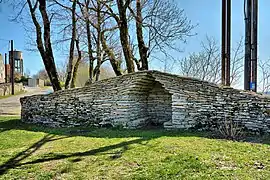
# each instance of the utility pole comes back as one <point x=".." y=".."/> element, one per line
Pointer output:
<point x="254" y="39"/>
<point x="223" y="43"/>
<point x="12" y="67"/>
<point x="228" y="62"/>
<point x="251" y="26"/>
<point x="247" y="44"/>
<point x="226" y="42"/>
<point x="6" y="78"/>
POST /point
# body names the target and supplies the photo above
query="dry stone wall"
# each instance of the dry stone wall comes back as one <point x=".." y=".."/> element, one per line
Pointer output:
<point x="5" y="88"/>
<point x="199" y="104"/>
<point x="137" y="99"/>
<point x="120" y="101"/>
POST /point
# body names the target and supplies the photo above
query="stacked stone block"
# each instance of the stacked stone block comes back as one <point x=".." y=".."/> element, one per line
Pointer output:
<point x="138" y="99"/>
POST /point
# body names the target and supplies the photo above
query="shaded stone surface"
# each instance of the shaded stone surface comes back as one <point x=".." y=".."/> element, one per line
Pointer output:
<point x="137" y="99"/>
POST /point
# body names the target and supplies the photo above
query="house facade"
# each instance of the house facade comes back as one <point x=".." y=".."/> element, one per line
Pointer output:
<point x="2" y="70"/>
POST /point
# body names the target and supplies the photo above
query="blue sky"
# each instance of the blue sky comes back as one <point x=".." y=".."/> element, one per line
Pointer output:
<point x="10" y="30"/>
<point x="205" y="13"/>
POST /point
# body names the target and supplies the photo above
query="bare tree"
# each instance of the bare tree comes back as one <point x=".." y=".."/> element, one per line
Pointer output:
<point x="85" y="10"/>
<point x="41" y="74"/>
<point x="72" y="28"/>
<point x="76" y="66"/>
<point x="115" y="63"/>
<point x="72" y="44"/>
<point x="121" y="19"/>
<point x="143" y="49"/>
<point x="159" y="24"/>
<point x="61" y="69"/>
<point x="206" y="64"/>
<point x="99" y="51"/>
<point x="44" y="45"/>
<point x="103" y="30"/>
<point x="264" y="76"/>
<point x="122" y="22"/>
<point x="237" y="60"/>
<point x="100" y="37"/>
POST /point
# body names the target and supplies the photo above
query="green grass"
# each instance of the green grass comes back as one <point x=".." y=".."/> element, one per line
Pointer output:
<point x="18" y="93"/>
<point x="46" y="87"/>
<point x="34" y="152"/>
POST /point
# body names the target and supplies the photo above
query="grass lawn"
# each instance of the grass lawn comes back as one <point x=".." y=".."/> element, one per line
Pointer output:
<point x="18" y="93"/>
<point x="33" y="152"/>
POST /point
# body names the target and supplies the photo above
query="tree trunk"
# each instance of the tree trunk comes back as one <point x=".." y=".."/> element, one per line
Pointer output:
<point x="142" y="47"/>
<point x="72" y="42"/>
<point x="99" y="59"/>
<point x="76" y="66"/>
<point x="45" y="49"/>
<point x="124" y="35"/>
<point x="115" y="64"/>
<point x="90" y="51"/>
<point x="85" y="13"/>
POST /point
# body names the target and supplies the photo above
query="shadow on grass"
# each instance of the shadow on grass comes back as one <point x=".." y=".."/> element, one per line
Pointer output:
<point x="142" y="136"/>
<point x="14" y="161"/>
<point x="16" y="124"/>
<point x="91" y="152"/>
<point x="9" y="123"/>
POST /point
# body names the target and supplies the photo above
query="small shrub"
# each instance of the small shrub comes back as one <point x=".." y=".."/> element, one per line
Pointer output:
<point x="267" y="112"/>
<point x="231" y="130"/>
<point x="62" y="84"/>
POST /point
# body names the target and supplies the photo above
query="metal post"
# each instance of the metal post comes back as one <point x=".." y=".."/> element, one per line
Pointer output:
<point x="22" y="71"/>
<point x="228" y="44"/>
<point x="12" y="65"/>
<point x="254" y="45"/>
<point x="223" y="43"/>
<point x="6" y="78"/>
<point x="21" y="64"/>
<point x="247" y="65"/>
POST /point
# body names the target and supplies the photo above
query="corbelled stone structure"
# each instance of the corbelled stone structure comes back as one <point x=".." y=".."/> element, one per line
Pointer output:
<point x="149" y="97"/>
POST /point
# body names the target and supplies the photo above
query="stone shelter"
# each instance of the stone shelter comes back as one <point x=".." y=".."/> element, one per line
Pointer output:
<point x="149" y="98"/>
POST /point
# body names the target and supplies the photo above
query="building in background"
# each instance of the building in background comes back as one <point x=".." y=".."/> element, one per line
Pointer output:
<point x="18" y="67"/>
<point x="7" y="66"/>
<point x="35" y="82"/>
<point x="18" y="62"/>
<point x="2" y="70"/>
